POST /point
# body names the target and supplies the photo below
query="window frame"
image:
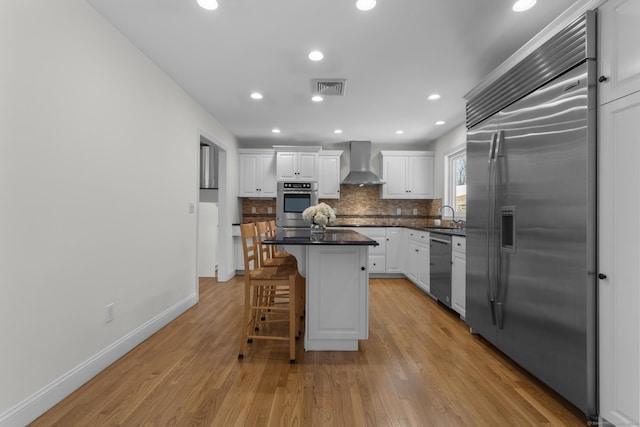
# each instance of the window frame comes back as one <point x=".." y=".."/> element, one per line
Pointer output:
<point x="449" y="178"/>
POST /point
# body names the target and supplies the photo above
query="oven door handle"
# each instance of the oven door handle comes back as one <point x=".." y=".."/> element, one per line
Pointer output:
<point x="299" y="192"/>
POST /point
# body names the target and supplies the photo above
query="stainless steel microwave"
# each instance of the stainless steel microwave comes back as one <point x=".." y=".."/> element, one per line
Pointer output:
<point x="293" y="197"/>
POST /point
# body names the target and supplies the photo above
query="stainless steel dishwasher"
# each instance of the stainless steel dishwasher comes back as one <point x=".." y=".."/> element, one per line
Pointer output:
<point x="440" y="271"/>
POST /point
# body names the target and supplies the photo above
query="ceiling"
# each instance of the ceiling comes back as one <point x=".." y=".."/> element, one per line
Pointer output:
<point x="393" y="57"/>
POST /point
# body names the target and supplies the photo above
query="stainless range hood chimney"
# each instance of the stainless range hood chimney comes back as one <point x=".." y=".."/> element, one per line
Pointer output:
<point x="360" y="166"/>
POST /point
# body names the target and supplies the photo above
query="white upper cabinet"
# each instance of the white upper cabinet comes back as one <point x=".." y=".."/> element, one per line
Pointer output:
<point x="619" y="60"/>
<point x="257" y="173"/>
<point x="329" y="174"/>
<point x="407" y="175"/>
<point x="299" y="165"/>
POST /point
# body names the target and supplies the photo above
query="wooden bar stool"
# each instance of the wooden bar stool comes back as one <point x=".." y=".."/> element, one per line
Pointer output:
<point x="267" y="258"/>
<point x="269" y="299"/>
<point x="275" y="253"/>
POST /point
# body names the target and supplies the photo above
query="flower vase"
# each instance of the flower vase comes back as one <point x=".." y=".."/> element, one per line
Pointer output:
<point x="317" y="229"/>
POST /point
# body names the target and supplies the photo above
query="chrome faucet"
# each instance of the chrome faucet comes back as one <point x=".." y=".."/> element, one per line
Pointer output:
<point x="453" y="213"/>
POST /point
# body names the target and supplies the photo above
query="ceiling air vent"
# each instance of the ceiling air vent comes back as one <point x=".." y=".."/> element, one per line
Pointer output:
<point x="328" y="87"/>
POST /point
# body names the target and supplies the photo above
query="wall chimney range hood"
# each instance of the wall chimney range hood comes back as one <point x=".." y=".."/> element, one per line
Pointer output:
<point x="360" y="166"/>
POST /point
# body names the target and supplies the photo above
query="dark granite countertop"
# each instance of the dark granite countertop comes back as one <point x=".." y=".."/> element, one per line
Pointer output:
<point x="448" y="231"/>
<point x="303" y="236"/>
<point x="442" y="230"/>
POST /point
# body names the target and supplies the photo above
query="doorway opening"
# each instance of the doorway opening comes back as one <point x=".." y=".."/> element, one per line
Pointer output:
<point x="212" y="209"/>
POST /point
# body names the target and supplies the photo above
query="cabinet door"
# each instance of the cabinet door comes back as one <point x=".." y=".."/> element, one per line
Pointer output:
<point x="420" y="177"/>
<point x="248" y="165"/>
<point x="395" y="177"/>
<point x="337" y="293"/>
<point x="329" y="177"/>
<point x="307" y="164"/>
<point x="458" y="282"/>
<point x="267" y="174"/>
<point x="619" y="256"/>
<point x="376" y="264"/>
<point x="424" y="267"/>
<point x="412" y="261"/>
<point x="286" y="166"/>
<point x="619" y="53"/>
<point x="394" y="256"/>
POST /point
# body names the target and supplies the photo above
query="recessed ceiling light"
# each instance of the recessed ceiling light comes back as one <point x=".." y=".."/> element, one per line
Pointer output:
<point x="522" y="5"/>
<point x="366" y="4"/>
<point x="399" y="132"/>
<point x="433" y="97"/>
<point x="316" y="55"/>
<point x="337" y="131"/>
<point x="440" y="122"/>
<point x="256" y="95"/>
<point x="317" y="98"/>
<point x="208" y="4"/>
<point x="275" y="130"/>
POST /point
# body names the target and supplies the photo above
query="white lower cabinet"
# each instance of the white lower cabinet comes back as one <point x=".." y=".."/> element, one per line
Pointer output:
<point x="417" y="258"/>
<point x="337" y="297"/>
<point x="458" y="274"/>
<point x="394" y="252"/>
<point x="377" y="254"/>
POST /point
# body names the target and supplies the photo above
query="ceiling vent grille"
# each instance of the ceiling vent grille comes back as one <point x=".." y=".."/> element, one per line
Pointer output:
<point x="329" y="87"/>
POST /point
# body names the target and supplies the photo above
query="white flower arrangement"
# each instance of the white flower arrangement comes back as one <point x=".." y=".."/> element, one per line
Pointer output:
<point x="320" y="214"/>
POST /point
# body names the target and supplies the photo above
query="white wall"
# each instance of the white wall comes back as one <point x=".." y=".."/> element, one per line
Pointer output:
<point x="441" y="147"/>
<point x="98" y="164"/>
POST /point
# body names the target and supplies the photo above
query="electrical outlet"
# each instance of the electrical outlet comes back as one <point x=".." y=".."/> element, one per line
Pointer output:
<point x="415" y="211"/>
<point x="109" y="313"/>
<point x="335" y="211"/>
<point x="192" y="208"/>
<point x="399" y="211"/>
<point x="253" y="209"/>
<point x="270" y="210"/>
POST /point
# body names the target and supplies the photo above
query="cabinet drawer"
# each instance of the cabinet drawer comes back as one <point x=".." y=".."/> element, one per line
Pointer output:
<point x="376" y="233"/>
<point x="459" y="244"/>
<point x="418" y="236"/>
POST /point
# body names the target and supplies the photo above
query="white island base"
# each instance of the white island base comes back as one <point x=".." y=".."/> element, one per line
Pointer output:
<point x="337" y="297"/>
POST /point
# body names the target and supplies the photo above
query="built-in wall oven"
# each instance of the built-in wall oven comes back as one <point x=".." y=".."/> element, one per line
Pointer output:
<point x="293" y="198"/>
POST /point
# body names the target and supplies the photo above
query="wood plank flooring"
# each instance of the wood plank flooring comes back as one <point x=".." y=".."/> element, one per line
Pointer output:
<point x="420" y="367"/>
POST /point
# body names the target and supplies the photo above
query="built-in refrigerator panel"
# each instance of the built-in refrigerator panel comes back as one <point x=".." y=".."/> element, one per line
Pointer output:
<point x="530" y="228"/>
<point x="546" y="295"/>
<point x="531" y="213"/>
<point x="480" y="296"/>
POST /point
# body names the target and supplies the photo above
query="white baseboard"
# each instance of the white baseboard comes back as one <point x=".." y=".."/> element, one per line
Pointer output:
<point x="226" y="276"/>
<point x="40" y="402"/>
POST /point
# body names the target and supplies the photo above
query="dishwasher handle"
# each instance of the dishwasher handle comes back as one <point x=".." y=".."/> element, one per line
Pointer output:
<point x="444" y="242"/>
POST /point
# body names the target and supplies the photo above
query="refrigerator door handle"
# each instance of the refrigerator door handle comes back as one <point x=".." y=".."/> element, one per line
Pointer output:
<point x="496" y="244"/>
<point x="499" y="139"/>
<point x="500" y="314"/>
<point x="491" y="240"/>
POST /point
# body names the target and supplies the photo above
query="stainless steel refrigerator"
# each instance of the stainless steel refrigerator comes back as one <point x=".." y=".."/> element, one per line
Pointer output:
<point x="531" y="224"/>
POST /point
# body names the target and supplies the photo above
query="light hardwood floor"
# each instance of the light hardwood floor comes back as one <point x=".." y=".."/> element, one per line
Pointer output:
<point x="420" y="367"/>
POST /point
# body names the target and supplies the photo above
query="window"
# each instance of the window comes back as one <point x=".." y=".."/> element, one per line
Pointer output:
<point x="455" y="181"/>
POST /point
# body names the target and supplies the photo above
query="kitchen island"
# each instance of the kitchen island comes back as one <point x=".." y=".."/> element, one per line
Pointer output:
<point x="334" y="264"/>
